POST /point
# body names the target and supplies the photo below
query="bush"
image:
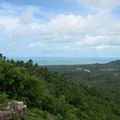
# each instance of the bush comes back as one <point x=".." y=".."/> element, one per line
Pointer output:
<point x="3" y="100"/>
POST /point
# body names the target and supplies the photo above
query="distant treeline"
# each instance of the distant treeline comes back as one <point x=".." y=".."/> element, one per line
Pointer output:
<point x="101" y="76"/>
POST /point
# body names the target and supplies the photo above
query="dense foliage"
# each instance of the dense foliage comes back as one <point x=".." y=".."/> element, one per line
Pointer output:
<point x="105" y="77"/>
<point x="50" y="96"/>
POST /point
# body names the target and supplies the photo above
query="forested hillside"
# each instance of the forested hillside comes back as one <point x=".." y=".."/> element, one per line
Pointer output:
<point x="105" y="77"/>
<point x="49" y="96"/>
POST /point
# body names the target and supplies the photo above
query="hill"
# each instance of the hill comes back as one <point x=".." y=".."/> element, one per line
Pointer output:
<point x="50" y="96"/>
<point x="105" y="77"/>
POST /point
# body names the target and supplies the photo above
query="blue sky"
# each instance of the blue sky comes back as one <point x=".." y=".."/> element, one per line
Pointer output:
<point x="60" y="28"/>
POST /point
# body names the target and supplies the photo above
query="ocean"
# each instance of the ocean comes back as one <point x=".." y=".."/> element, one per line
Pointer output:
<point x="66" y="60"/>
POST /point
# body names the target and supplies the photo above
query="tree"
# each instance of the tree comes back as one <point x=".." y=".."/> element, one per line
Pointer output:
<point x="62" y="106"/>
<point x="1" y="56"/>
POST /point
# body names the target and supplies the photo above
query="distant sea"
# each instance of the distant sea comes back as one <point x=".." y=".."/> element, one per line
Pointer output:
<point x="66" y="60"/>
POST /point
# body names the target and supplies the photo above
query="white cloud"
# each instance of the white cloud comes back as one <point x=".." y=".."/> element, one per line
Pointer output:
<point x="102" y="47"/>
<point x="99" y="31"/>
<point x="89" y="41"/>
<point x="99" y="42"/>
<point x="27" y="17"/>
<point x="65" y="27"/>
<point x="59" y="27"/>
<point x="100" y="4"/>
<point x="9" y="22"/>
<point x="35" y="45"/>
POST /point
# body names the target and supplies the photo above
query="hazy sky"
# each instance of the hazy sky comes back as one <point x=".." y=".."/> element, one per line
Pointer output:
<point x="60" y="28"/>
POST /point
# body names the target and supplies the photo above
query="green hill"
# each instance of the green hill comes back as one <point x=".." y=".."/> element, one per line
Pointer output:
<point x="103" y="76"/>
<point x="50" y="96"/>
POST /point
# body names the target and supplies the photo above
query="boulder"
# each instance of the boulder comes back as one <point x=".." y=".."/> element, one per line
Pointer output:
<point x="14" y="108"/>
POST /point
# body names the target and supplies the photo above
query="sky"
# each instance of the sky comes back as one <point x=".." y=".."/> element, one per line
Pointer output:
<point x="60" y="28"/>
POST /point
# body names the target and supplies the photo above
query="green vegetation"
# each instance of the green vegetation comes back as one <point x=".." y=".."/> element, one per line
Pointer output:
<point x="49" y="96"/>
<point x="105" y="77"/>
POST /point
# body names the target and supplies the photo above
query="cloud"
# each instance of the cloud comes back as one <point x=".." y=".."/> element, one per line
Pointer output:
<point x="36" y="45"/>
<point x="61" y="32"/>
<point x="64" y="27"/>
<point x="102" y="47"/>
<point x="58" y="27"/>
<point x="99" y="4"/>
<point x="27" y="17"/>
<point x="99" y="42"/>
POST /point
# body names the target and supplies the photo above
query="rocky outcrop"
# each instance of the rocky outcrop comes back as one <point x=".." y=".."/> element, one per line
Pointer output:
<point x="14" y="109"/>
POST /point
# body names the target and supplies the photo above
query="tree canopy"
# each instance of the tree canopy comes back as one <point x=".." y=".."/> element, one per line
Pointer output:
<point x="52" y="95"/>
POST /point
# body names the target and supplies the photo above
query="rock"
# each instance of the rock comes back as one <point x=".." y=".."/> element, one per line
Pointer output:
<point x="14" y="108"/>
